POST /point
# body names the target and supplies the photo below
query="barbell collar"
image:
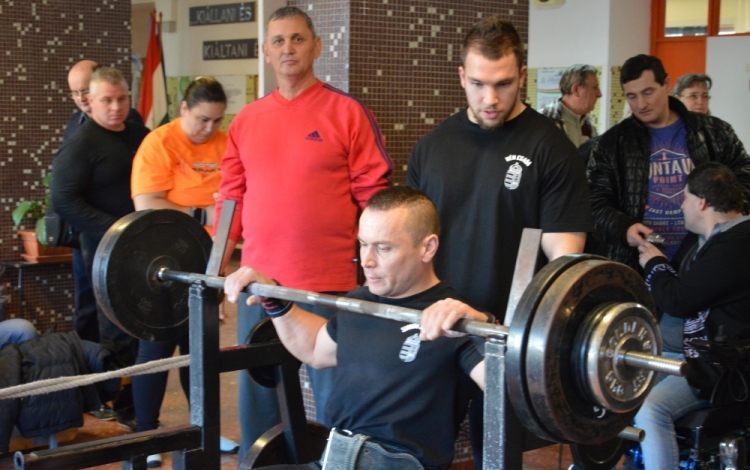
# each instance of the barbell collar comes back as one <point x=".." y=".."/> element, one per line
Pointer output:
<point x="390" y="312"/>
<point x="632" y="433"/>
<point x="654" y="363"/>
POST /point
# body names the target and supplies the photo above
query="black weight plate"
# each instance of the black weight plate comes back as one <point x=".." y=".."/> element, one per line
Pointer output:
<point x="602" y="456"/>
<point x="263" y="332"/>
<point x="550" y="375"/>
<point x="271" y="448"/>
<point x="125" y="266"/>
<point x="515" y="357"/>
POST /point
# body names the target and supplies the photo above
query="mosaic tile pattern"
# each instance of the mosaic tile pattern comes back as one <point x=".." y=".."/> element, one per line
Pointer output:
<point x="39" y="41"/>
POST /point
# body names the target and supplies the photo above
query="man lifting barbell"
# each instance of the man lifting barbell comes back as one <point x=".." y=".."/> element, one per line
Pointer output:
<point x="391" y="385"/>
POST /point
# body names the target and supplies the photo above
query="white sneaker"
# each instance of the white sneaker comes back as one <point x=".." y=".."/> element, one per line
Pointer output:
<point x="228" y="446"/>
<point x="153" y="461"/>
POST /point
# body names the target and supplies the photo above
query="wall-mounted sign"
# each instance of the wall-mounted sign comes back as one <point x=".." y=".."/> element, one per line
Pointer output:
<point x="230" y="49"/>
<point x="222" y="14"/>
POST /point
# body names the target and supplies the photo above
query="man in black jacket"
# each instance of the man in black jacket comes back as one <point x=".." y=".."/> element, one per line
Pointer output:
<point x="638" y="168"/>
<point x="713" y="291"/>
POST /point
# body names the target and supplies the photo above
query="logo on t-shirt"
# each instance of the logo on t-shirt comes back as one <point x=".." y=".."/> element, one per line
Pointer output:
<point x="410" y="348"/>
<point x="514" y="173"/>
<point x="314" y="136"/>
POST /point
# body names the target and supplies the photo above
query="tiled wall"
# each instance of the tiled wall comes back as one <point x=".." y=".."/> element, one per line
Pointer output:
<point x="39" y="41"/>
<point x="403" y="58"/>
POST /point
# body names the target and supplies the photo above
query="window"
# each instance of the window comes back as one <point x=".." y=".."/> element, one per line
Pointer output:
<point x="687" y="17"/>
<point x="734" y="17"/>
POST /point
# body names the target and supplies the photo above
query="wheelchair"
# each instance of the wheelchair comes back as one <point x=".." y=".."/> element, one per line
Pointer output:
<point x="717" y="438"/>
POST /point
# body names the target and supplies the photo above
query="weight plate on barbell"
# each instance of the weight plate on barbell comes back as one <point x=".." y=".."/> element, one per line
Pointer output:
<point x="263" y="332"/>
<point x="127" y="261"/>
<point x="515" y="356"/>
<point x="563" y="409"/>
<point x="603" y="456"/>
<point x="606" y="333"/>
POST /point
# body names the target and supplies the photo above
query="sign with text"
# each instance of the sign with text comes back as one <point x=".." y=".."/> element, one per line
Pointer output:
<point x="222" y="14"/>
<point x="230" y="49"/>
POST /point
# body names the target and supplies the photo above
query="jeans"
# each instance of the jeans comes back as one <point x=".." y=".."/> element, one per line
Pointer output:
<point x="258" y="406"/>
<point x="16" y="330"/>
<point x="85" y="320"/>
<point x="668" y="401"/>
<point x="149" y="389"/>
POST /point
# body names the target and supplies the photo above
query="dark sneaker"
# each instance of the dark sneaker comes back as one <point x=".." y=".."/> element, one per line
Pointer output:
<point x="105" y="413"/>
<point x="126" y="422"/>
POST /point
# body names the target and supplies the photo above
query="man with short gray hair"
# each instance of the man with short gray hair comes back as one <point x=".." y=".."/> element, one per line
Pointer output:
<point x="579" y="86"/>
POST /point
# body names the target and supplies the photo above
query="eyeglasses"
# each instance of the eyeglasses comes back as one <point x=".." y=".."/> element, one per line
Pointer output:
<point x="78" y="93"/>
<point x="695" y="96"/>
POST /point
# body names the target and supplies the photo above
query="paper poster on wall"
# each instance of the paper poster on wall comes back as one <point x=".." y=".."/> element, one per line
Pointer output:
<point x="547" y="86"/>
<point x="235" y="87"/>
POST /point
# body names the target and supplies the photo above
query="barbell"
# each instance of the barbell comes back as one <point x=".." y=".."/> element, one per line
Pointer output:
<point x="582" y="348"/>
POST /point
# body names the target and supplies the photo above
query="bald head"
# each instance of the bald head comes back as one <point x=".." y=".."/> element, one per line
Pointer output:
<point x="78" y="81"/>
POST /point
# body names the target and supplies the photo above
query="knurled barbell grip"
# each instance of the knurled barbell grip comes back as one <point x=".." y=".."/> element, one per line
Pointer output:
<point x="390" y="312"/>
<point x="654" y="363"/>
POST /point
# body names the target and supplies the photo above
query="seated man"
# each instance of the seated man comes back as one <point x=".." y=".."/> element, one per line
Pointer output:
<point x="391" y="385"/>
<point x="714" y="290"/>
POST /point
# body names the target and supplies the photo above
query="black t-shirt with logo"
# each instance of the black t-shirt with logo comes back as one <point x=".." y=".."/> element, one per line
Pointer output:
<point x="391" y="386"/>
<point x="488" y="186"/>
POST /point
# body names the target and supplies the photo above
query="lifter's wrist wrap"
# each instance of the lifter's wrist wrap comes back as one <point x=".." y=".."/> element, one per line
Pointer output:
<point x="276" y="308"/>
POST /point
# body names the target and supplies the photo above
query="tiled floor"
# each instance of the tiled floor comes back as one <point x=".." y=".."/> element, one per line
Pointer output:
<point x="175" y="412"/>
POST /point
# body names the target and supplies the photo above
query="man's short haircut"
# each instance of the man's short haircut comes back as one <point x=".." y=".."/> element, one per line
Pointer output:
<point x="690" y="79"/>
<point x="204" y="89"/>
<point x="719" y="186"/>
<point x="577" y="74"/>
<point x="634" y="67"/>
<point x="284" y="13"/>
<point x="493" y="38"/>
<point x="423" y="216"/>
<point x="108" y="75"/>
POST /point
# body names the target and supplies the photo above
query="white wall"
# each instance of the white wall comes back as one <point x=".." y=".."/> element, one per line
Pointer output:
<point x="183" y="49"/>
<point x="728" y="65"/>
<point x="602" y="33"/>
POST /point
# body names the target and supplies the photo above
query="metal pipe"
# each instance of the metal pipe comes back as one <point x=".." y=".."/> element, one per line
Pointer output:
<point x="390" y="312"/>
<point x="632" y="433"/>
<point x="654" y="363"/>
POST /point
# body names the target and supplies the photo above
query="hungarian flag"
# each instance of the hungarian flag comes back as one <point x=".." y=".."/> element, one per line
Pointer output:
<point x="152" y="103"/>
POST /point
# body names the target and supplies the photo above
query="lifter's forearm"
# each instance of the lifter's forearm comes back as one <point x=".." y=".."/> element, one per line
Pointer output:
<point x="300" y="331"/>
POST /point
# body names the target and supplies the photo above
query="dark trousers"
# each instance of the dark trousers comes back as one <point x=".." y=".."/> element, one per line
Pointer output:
<point x="149" y="389"/>
<point x="111" y="337"/>
<point x="85" y="321"/>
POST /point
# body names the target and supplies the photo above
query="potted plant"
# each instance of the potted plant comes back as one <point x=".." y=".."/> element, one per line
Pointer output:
<point x="35" y="241"/>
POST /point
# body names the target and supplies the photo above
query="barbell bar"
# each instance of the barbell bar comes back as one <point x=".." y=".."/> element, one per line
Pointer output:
<point x="392" y="312"/>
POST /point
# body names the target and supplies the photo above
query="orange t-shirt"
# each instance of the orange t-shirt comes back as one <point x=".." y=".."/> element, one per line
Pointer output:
<point x="167" y="161"/>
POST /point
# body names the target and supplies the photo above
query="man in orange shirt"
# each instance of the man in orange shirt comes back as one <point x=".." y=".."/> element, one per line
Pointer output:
<point x="301" y="163"/>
